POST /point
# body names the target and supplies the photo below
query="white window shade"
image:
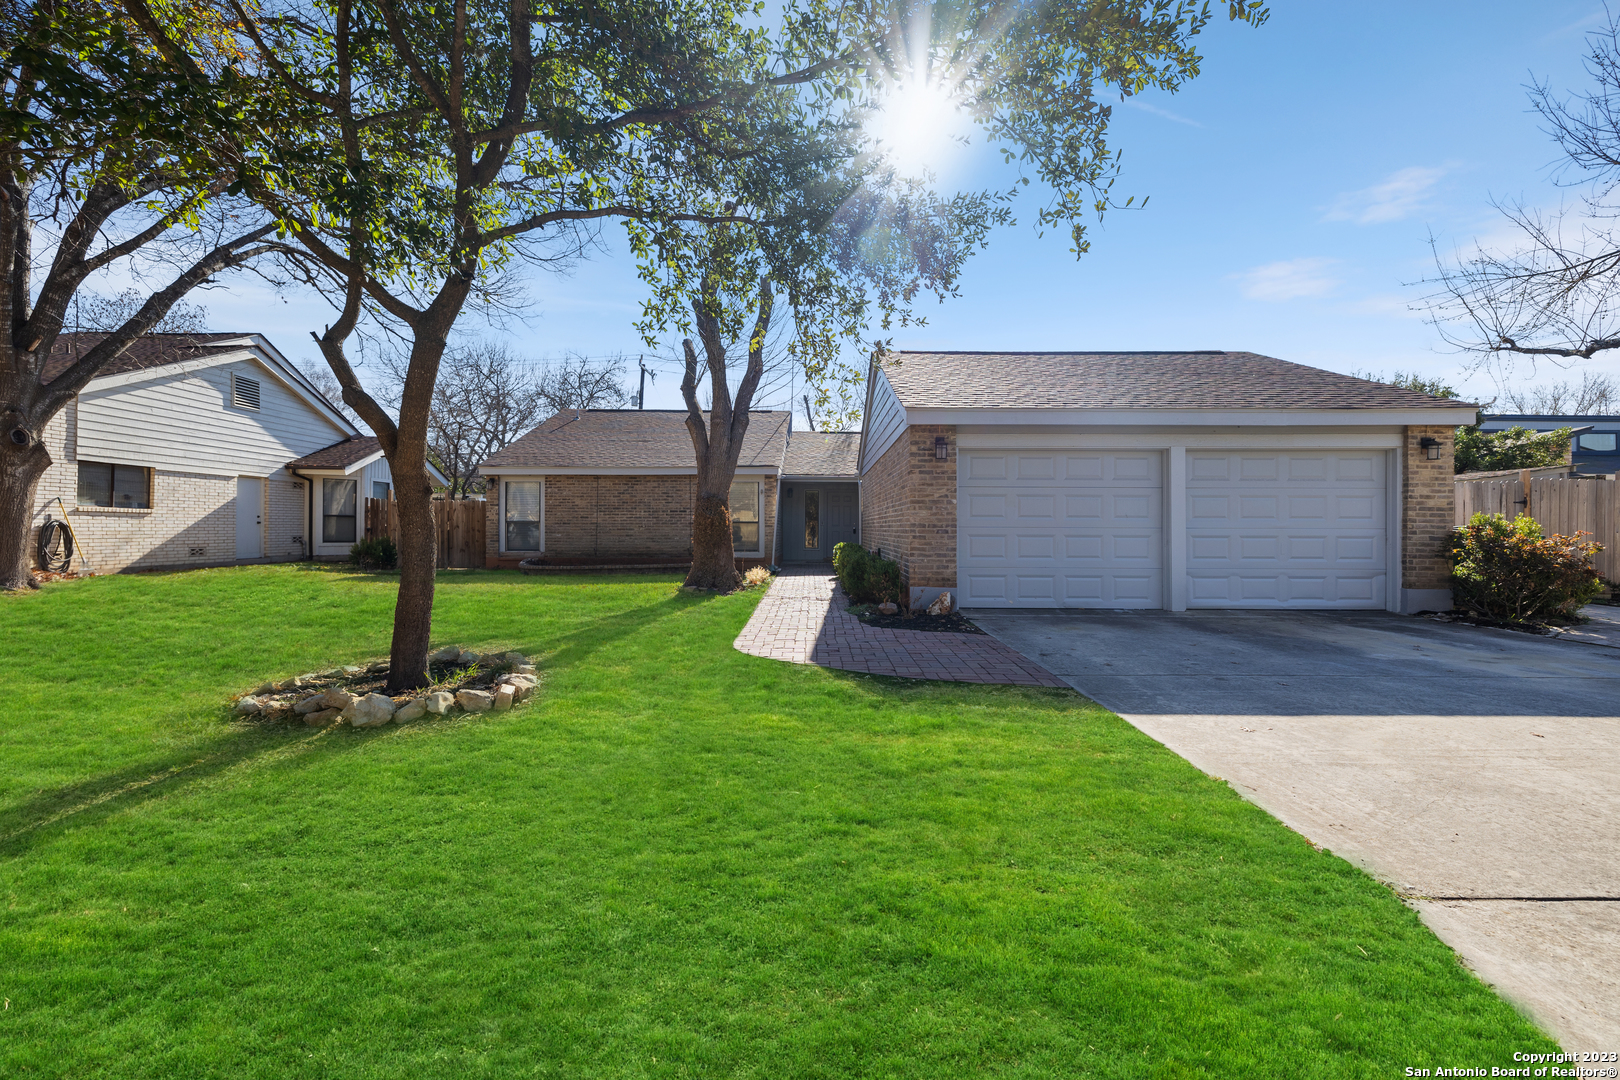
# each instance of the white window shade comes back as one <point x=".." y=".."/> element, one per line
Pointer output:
<point x="522" y="515"/>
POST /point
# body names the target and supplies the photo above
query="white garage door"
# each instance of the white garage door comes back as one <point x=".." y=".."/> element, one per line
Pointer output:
<point x="1061" y="529"/>
<point x="1293" y="529"/>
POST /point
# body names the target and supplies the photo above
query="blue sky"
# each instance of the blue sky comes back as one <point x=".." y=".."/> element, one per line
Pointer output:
<point x="1292" y="190"/>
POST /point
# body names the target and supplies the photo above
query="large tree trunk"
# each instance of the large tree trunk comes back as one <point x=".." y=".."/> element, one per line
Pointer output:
<point x="718" y="443"/>
<point x="713" y="564"/>
<point x="20" y="470"/>
<point x="418" y="559"/>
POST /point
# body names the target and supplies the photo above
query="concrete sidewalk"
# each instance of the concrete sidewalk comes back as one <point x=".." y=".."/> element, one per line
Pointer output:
<point x="1451" y="761"/>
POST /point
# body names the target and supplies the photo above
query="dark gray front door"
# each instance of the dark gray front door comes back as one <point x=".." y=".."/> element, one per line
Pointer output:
<point x="815" y="517"/>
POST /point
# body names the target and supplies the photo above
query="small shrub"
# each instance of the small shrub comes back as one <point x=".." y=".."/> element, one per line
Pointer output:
<point x="1508" y="570"/>
<point x="757" y="576"/>
<point x="375" y="553"/>
<point x="866" y="578"/>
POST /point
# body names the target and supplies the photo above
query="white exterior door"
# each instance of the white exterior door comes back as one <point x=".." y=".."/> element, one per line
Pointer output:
<point x="249" y="517"/>
<point x="1287" y="529"/>
<point x="1061" y="528"/>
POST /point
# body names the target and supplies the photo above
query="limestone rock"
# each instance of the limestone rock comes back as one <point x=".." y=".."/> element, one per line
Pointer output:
<point x="311" y="704"/>
<point x="524" y="669"/>
<point x="412" y="710"/>
<point x="248" y="707"/>
<point x="468" y="656"/>
<point x="369" y="711"/>
<point x="515" y="658"/>
<point x="505" y="694"/>
<point x="888" y="608"/>
<point x="324" y="718"/>
<point x="446" y="655"/>
<point x="475" y="700"/>
<point x="264" y="688"/>
<point x="942" y="605"/>
<point x="438" y="703"/>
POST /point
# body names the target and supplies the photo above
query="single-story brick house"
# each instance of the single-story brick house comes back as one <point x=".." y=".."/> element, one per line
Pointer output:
<point x="181" y="454"/>
<point x="617" y="486"/>
<point x="1156" y="480"/>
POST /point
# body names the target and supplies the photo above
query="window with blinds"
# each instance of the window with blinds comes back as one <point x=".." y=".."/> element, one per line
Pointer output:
<point x="744" y="504"/>
<point x="522" y="514"/>
<point x="244" y="392"/>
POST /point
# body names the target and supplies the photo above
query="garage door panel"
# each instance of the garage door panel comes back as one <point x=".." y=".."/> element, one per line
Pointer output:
<point x="1286" y="529"/>
<point x="1075" y="529"/>
<point x="986" y="467"/>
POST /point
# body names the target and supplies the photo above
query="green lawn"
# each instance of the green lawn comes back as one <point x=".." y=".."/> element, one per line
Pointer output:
<point x="679" y="861"/>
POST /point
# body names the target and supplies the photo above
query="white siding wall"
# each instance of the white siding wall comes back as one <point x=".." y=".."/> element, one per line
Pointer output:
<point x="182" y="419"/>
<point x="886" y="423"/>
<point x="177" y="423"/>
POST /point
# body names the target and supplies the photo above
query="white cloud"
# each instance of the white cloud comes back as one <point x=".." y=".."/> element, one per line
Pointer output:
<point x="1136" y="103"/>
<point x="1400" y="195"/>
<point x="1292" y="279"/>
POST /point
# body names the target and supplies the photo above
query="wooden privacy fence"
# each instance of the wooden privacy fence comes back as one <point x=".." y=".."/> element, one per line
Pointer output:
<point x="459" y="523"/>
<point x="1559" y="504"/>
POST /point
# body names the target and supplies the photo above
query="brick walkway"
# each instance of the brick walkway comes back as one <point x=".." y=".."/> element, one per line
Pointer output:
<point x="802" y="620"/>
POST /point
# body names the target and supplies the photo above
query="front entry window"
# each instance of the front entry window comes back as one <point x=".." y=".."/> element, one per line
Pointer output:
<point x="812" y="520"/>
<point x="745" y="515"/>
<point x="523" y="515"/>
<point x="337" y="511"/>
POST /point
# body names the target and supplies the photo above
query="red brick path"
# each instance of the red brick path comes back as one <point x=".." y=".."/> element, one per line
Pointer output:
<point x="802" y="620"/>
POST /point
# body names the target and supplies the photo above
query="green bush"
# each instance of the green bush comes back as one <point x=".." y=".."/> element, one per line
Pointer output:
<point x="375" y="553"/>
<point x="1508" y="570"/>
<point x="1515" y="448"/>
<point x="866" y="578"/>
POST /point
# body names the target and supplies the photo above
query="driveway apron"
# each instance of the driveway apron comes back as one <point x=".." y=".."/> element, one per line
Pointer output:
<point x="1474" y="770"/>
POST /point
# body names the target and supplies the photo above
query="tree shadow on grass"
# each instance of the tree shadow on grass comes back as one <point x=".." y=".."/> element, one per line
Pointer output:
<point x="94" y="799"/>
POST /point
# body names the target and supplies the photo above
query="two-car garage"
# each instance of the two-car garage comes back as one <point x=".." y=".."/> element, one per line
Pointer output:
<point x="1162" y="480"/>
<point x="1174" y="527"/>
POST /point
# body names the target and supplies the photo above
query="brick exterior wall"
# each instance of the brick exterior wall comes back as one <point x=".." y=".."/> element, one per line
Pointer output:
<point x="1428" y="507"/>
<point x="908" y="507"/>
<point x="620" y="517"/>
<point x="192" y="521"/>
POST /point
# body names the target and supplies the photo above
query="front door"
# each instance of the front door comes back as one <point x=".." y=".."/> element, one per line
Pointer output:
<point x="838" y="510"/>
<point x="249" y="517"/>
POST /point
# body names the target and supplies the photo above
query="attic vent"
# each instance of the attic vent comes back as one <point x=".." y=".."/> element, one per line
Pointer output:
<point x="244" y="392"/>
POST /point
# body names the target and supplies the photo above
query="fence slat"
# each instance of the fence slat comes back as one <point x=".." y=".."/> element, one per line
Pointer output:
<point x="1563" y="505"/>
<point x="458" y="528"/>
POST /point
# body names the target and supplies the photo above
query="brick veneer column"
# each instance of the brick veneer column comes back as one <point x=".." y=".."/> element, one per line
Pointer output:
<point x="908" y="507"/>
<point x="1428" y="510"/>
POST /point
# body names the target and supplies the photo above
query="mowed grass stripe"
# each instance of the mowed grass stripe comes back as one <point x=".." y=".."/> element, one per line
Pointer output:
<point x="680" y="861"/>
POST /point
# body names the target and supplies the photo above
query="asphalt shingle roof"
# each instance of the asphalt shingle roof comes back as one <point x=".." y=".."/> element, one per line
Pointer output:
<point x="631" y="439"/>
<point x="339" y="455"/>
<point x="148" y="351"/>
<point x="822" y="453"/>
<point x="1134" y="380"/>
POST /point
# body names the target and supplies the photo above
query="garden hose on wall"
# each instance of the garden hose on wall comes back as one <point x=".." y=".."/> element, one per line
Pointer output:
<point x="55" y="552"/>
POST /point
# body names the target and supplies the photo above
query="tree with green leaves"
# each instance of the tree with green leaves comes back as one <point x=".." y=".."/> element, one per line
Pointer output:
<point x="98" y="173"/>
<point x="1515" y="448"/>
<point x="438" y="145"/>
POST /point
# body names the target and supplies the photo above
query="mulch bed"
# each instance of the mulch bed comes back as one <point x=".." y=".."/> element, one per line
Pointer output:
<point x="1499" y="624"/>
<point x="954" y="623"/>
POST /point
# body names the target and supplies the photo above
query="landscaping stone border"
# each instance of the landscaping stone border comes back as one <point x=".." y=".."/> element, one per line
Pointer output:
<point x="463" y="680"/>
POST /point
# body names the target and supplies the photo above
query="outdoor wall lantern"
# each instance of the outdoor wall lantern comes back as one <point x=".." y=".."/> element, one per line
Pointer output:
<point x="939" y="447"/>
<point x="790" y="493"/>
<point x="1431" y="447"/>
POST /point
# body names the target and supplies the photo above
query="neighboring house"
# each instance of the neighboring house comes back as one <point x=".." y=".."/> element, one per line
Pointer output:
<point x="1156" y="480"/>
<point x="617" y="486"/>
<point x="344" y="476"/>
<point x="176" y="454"/>
<point x="1594" y="449"/>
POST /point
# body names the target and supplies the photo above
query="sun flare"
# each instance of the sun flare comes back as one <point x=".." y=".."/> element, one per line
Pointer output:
<point x="918" y="127"/>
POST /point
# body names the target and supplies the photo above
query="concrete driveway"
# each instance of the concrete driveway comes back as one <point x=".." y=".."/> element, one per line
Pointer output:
<point x="1477" y="771"/>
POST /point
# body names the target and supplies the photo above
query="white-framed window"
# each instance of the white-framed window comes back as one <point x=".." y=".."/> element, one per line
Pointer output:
<point x="244" y="392"/>
<point x="745" y="517"/>
<point x="520" y="515"/>
<point x="379" y="489"/>
<point x="338" y="499"/>
<point x="126" y="487"/>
